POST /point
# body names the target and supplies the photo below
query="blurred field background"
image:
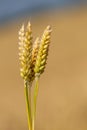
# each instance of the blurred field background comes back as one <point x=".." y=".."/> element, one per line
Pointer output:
<point x="62" y="99"/>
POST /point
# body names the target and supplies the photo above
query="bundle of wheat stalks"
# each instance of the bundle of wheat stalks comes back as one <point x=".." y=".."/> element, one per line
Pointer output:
<point x="33" y="57"/>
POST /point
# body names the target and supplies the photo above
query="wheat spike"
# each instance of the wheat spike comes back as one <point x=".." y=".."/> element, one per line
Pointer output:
<point x="35" y="51"/>
<point x="25" y="51"/>
<point x="43" y="52"/>
<point x="34" y="56"/>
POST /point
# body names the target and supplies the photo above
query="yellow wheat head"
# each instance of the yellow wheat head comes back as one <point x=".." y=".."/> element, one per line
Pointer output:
<point x="43" y="52"/>
<point x="25" y="48"/>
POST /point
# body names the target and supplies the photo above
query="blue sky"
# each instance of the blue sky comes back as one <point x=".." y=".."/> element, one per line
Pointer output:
<point x="9" y="8"/>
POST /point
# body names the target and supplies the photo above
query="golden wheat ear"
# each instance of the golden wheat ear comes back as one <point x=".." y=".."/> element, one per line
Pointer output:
<point x="43" y="52"/>
<point x="21" y="48"/>
<point x="25" y="47"/>
<point x="34" y="56"/>
<point x="35" y="50"/>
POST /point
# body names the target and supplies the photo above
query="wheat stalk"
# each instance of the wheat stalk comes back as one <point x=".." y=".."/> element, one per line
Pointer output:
<point x="25" y="47"/>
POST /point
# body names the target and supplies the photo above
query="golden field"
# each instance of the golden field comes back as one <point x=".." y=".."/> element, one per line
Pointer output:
<point x="62" y="99"/>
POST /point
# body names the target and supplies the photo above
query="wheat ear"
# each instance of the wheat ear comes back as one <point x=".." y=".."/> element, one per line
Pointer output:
<point x="34" y="57"/>
<point x="43" y="52"/>
<point x="25" y="52"/>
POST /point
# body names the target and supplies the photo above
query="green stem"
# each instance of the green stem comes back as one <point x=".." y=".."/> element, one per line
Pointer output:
<point x="29" y="97"/>
<point x="28" y="105"/>
<point x="35" y="101"/>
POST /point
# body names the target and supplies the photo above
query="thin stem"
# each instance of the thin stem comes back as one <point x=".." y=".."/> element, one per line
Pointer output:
<point x="28" y="107"/>
<point x="30" y="94"/>
<point x="29" y="97"/>
<point x="35" y="101"/>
